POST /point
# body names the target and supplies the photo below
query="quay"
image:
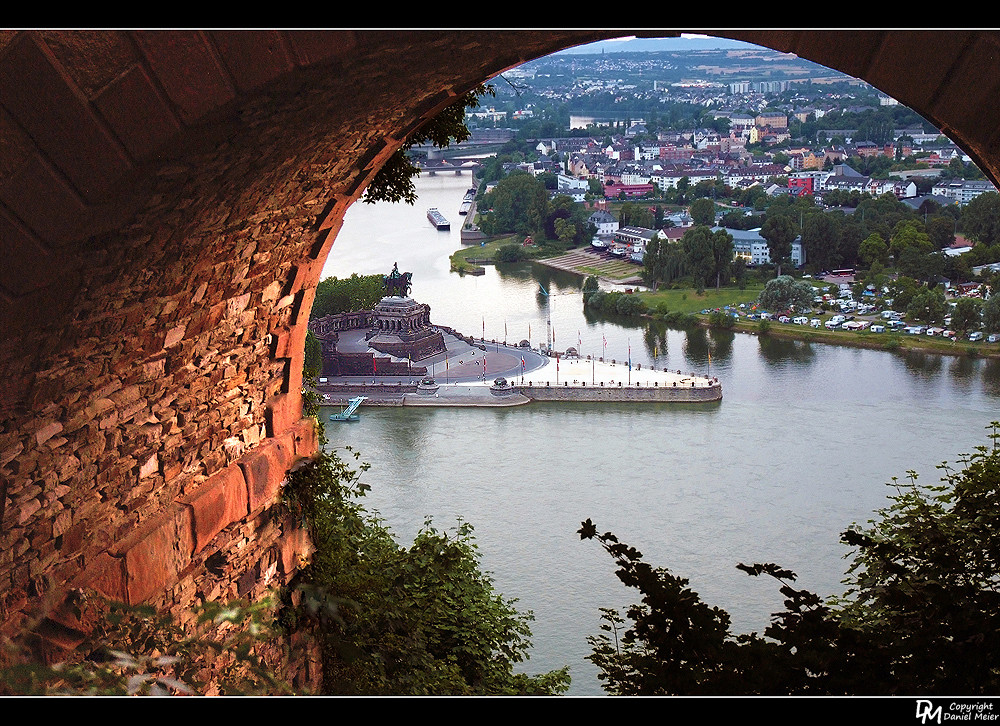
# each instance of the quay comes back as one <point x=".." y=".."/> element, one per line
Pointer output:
<point x="466" y="374"/>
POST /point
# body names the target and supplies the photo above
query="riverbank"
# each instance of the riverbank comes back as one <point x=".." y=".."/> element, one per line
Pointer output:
<point x="891" y="342"/>
<point x="538" y="378"/>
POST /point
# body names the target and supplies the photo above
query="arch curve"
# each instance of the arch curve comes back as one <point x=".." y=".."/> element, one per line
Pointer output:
<point x="167" y="202"/>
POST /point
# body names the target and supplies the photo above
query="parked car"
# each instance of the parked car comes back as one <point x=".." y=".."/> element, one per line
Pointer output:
<point x="975" y="336"/>
<point x="993" y="338"/>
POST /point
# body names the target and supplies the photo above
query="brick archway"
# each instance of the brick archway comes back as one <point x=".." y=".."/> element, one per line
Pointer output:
<point x="167" y="200"/>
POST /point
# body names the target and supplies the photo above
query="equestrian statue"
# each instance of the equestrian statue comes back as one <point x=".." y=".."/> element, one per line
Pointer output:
<point x="397" y="283"/>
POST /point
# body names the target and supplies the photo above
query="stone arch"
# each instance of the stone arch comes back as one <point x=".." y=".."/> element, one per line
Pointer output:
<point x="167" y="200"/>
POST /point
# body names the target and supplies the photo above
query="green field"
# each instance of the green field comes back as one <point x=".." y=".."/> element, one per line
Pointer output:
<point x="690" y="301"/>
<point x="460" y="258"/>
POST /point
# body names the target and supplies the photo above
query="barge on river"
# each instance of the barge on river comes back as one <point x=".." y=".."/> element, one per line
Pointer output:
<point x="438" y="219"/>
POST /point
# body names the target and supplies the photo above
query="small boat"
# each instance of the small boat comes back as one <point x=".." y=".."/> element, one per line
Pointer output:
<point x="438" y="219"/>
<point x="349" y="413"/>
<point x="598" y="244"/>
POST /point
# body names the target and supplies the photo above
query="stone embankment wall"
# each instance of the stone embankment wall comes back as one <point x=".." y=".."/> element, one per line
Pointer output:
<point x="648" y="394"/>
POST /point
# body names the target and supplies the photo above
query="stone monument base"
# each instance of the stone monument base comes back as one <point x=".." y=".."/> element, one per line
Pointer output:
<point x="402" y="328"/>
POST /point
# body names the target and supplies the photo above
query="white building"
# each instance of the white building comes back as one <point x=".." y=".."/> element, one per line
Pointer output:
<point x="572" y="187"/>
<point x="749" y="246"/>
<point x="962" y="191"/>
<point x="604" y="221"/>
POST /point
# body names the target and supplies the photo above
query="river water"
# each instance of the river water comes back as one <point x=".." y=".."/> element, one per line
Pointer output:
<point x="803" y="444"/>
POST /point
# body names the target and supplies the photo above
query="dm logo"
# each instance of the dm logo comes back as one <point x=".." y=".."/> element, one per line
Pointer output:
<point x="927" y="712"/>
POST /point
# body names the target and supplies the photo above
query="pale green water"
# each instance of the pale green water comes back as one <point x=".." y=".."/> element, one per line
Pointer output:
<point x="800" y="447"/>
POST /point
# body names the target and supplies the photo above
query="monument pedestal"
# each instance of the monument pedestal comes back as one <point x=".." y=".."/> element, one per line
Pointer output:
<point x="402" y="328"/>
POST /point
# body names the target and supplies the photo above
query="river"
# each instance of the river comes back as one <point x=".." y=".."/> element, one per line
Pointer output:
<point x="802" y="445"/>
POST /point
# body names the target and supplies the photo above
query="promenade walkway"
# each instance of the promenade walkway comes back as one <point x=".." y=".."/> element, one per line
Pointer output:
<point x="459" y="376"/>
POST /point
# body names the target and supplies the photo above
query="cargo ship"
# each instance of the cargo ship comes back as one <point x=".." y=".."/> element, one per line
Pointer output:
<point x="470" y="197"/>
<point x="438" y="219"/>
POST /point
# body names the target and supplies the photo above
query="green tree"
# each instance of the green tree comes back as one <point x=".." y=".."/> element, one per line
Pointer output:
<point x="517" y="205"/>
<point x="699" y="255"/>
<point x="874" y="250"/>
<point x="821" y="240"/>
<point x="394" y="181"/>
<point x="786" y="292"/>
<point x="927" y="306"/>
<point x="635" y="215"/>
<point x="779" y="231"/>
<point x="313" y="356"/>
<point x="981" y="218"/>
<point x="722" y="255"/>
<point x="966" y="314"/>
<point x="909" y="235"/>
<point x="417" y="620"/>
<point x="921" y="615"/>
<point x="941" y="230"/>
<point x="991" y="313"/>
<point x="340" y="295"/>
<point x="702" y="211"/>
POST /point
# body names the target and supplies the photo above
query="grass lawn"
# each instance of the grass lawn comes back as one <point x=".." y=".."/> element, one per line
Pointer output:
<point x="460" y="258"/>
<point x="689" y="301"/>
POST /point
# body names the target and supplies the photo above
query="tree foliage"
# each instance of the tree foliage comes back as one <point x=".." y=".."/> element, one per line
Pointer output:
<point x="342" y="295"/>
<point x="707" y="254"/>
<point x="921" y="615"/>
<point x="394" y="181"/>
<point x="821" y="234"/>
<point x="981" y="218"/>
<point x="991" y="313"/>
<point x="786" y="292"/>
<point x="519" y="204"/>
<point x="702" y="211"/>
<point x="663" y="262"/>
<point x="417" y="620"/>
<point x="780" y="233"/>
<point x="927" y="306"/>
<point x="966" y="315"/>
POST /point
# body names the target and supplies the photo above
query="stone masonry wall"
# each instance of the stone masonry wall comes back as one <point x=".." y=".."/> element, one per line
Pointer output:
<point x="167" y="201"/>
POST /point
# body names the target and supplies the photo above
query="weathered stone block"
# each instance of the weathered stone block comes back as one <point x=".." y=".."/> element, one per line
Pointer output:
<point x="217" y="503"/>
<point x="265" y="469"/>
<point x="156" y="553"/>
<point x="106" y="575"/>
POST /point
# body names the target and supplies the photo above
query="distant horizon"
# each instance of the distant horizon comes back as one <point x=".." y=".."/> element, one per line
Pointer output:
<point x="628" y="43"/>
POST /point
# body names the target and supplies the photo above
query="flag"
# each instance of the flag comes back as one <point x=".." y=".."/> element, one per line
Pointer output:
<point x="522" y="362"/>
<point x="630" y="356"/>
<point x="374" y="367"/>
